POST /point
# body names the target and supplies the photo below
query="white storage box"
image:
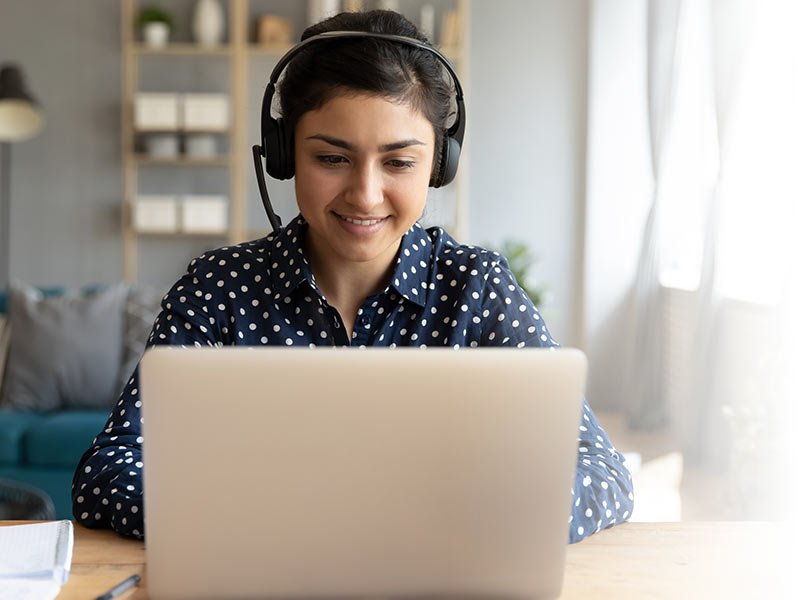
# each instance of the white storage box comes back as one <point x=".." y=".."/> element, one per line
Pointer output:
<point x="204" y="214"/>
<point x="156" y="111"/>
<point x="155" y="213"/>
<point x="205" y="112"/>
<point x="162" y="145"/>
<point x="201" y="145"/>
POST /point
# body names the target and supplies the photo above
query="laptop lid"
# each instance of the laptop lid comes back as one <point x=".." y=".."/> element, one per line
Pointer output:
<point x="336" y="472"/>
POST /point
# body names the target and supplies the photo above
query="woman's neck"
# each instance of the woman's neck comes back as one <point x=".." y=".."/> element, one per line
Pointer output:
<point x="346" y="284"/>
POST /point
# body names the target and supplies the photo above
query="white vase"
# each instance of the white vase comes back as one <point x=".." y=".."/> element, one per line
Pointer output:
<point x="208" y="22"/>
<point x="156" y="35"/>
<point x="322" y="9"/>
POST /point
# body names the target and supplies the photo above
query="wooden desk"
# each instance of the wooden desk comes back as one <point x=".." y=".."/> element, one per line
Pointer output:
<point x="633" y="561"/>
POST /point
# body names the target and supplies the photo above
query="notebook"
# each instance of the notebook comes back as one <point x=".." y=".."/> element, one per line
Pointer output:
<point x="338" y="472"/>
<point x="35" y="559"/>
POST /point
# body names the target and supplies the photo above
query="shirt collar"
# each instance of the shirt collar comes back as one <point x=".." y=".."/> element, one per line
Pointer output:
<point x="290" y="268"/>
<point x="410" y="277"/>
<point x="287" y="262"/>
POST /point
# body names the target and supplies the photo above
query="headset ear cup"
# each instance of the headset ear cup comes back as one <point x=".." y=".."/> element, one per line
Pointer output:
<point x="448" y="164"/>
<point x="288" y="151"/>
<point x="280" y="158"/>
<point x="272" y="148"/>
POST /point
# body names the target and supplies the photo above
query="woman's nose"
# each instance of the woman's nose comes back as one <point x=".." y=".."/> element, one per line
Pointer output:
<point x="365" y="188"/>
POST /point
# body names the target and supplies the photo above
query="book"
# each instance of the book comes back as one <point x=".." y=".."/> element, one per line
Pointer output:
<point x="35" y="559"/>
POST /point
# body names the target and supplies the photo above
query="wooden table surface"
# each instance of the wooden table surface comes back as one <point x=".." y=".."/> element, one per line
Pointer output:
<point x="632" y="561"/>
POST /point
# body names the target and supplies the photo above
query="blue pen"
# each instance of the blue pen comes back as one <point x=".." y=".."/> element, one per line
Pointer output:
<point x="120" y="588"/>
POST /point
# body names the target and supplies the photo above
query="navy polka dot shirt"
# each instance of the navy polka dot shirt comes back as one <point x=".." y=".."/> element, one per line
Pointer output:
<point x="263" y="293"/>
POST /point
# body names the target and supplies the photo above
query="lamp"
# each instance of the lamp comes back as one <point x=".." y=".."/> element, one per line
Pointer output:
<point x="20" y="119"/>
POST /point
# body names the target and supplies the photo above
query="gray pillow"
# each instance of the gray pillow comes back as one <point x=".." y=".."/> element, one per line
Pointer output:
<point x="141" y="309"/>
<point x="65" y="352"/>
<point x="5" y="340"/>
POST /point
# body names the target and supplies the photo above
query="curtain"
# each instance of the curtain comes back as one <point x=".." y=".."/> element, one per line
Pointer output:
<point x="646" y="408"/>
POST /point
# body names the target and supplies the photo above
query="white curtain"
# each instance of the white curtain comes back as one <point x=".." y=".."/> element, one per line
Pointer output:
<point x="721" y="235"/>
<point x="646" y="408"/>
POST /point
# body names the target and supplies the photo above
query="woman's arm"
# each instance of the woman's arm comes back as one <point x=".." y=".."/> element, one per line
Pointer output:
<point x="107" y="485"/>
<point x="602" y="494"/>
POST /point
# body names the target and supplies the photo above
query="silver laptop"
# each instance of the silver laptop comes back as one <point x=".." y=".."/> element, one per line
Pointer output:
<point x="343" y="473"/>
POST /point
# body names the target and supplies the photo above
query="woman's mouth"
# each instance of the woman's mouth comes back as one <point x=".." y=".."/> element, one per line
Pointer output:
<point x="362" y="221"/>
<point x="361" y="224"/>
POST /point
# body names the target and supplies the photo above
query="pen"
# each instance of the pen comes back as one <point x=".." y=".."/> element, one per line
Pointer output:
<point x="120" y="588"/>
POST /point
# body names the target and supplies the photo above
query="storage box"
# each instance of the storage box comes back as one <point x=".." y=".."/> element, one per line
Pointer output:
<point x="155" y="213"/>
<point x="156" y="111"/>
<point x="201" y="145"/>
<point x="204" y="214"/>
<point x="273" y="29"/>
<point x="205" y="112"/>
<point x="162" y="145"/>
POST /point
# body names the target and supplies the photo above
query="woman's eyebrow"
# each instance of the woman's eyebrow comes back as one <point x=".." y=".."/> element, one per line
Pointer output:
<point x="384" y="148"/>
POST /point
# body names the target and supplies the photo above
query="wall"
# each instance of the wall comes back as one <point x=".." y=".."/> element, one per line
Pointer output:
<point x="526" y="140"/>
<point x="65" y="183"/>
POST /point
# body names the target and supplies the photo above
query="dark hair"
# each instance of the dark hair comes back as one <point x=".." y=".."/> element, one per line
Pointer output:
<point x="381" y="67"/>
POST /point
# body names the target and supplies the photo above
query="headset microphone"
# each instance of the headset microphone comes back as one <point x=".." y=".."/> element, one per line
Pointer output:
<point x="276" y="143"/>
<point x="274" y="219"/>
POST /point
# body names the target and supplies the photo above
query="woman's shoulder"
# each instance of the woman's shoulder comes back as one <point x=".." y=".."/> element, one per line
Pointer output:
<point x="450" y="256"/>
<point x="241" y="255"/>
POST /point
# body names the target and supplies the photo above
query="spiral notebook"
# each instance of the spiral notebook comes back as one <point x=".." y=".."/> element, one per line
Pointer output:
<point x="35" y="559"/>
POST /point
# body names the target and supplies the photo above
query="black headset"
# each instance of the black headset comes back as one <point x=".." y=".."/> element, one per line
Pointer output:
<point x="276" y="141"/>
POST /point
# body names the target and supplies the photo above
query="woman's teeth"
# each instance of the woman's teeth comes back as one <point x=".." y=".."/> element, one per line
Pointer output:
<point x="360" y="222"/>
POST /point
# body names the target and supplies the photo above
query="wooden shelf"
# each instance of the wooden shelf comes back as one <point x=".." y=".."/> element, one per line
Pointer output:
<point x="182" y="50"/>
<point x="183" y="234"/>
<point x="451" y="53"/>
<point x="269" y="50"/>
<point x="223" y="160"/>
<point x="226" y="131"/>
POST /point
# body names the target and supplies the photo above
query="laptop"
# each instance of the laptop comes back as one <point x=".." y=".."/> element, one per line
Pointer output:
<point x="346" y="473"/>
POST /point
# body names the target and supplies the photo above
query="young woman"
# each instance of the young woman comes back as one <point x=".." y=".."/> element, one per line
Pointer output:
<point x="368" y="119"/>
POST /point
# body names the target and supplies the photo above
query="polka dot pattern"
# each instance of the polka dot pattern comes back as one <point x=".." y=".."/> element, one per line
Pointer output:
<point x="262" y="292"/>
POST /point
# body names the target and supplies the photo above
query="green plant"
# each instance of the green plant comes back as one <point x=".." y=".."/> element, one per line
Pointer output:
<point x="155" y="14"/>
<point x="520" y="259"/>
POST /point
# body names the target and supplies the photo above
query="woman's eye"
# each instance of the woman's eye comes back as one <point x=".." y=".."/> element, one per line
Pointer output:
<point x="331" y="159"/>
<point x="401" y="164"/>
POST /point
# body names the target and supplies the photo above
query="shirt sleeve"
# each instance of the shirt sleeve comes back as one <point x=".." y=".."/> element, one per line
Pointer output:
<point x="602" y="493"/>
<point x="107" y="485"/>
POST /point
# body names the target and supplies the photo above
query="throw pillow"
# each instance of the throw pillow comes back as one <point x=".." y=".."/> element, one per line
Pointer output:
<point x="65" y="352"/>
<point x="141" y="310"/>
<point x="5" y="338"/>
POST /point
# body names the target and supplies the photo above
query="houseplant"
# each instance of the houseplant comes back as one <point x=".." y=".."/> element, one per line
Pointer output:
<point x="520" y="260"/>
<point x="155" y="24"/>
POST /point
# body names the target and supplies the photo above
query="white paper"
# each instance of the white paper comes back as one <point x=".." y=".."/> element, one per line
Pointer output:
<point x="35" y="559"/>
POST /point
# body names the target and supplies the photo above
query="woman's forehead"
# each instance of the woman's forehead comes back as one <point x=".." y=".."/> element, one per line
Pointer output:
<point x="366" y="116"/>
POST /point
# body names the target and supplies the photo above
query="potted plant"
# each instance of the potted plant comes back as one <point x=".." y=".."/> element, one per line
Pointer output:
<point x="520" y="260"/>
<point x="155" y="24"/>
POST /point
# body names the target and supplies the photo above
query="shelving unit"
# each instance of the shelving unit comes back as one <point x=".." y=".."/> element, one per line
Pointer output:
<point x="237" y="53"/>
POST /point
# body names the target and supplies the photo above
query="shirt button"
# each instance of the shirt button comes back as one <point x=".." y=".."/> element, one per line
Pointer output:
<point x="364" y="321"/>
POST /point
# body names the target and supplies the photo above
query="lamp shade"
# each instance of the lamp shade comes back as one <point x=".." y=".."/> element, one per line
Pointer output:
<point x="20" y="116"/>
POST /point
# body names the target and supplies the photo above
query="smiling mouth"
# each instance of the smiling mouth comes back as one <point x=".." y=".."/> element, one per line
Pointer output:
<point x="363" y="222"/>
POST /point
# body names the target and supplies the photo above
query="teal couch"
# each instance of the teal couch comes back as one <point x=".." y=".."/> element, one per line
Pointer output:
<point x="43" y="448"/>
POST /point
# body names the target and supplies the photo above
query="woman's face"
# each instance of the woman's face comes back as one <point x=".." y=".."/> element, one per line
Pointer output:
<point x="362" y="167"/>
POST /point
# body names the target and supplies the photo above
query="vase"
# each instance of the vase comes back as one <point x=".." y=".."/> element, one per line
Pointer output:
<point x="322" y="9"/>
<point x="208" y="22"/>
<point x="156" y="34"/>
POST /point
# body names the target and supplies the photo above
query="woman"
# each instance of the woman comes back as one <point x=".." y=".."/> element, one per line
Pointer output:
<point x="368" y="120"/>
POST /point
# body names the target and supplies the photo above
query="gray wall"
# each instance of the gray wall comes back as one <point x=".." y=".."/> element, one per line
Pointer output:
<point x="525" y="143"/>
<point x="65" y="184"/>
<point x="527" y="129"/>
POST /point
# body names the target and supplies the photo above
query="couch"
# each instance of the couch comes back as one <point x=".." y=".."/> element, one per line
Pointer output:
<point x="64" y="357"/>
